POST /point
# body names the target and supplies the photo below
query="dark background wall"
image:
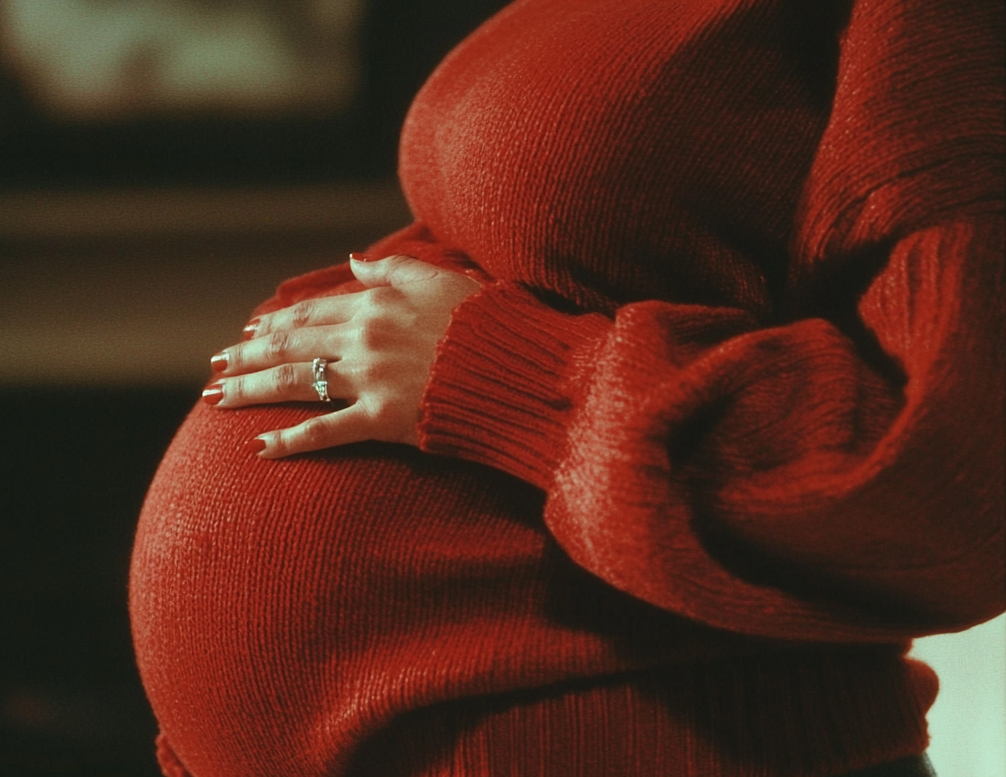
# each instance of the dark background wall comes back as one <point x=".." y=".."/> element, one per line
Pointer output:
<point x="71" y="485"/>
<point x="129" y="252"/>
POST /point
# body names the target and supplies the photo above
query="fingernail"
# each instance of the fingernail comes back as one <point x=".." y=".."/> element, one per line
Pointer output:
<point x="256" y="445"/>
<point x="250" y="328"/>
<point x="219" y="362"/>
<point x="364" y="257"/>
<point x="213" y="394"/>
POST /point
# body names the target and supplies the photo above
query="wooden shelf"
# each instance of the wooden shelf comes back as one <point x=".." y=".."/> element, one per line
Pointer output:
<point x="142" y="287"/>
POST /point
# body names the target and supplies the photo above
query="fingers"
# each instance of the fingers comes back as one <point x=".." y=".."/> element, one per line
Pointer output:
<point x="311" y="312"/>
<point x="392" y="271"/>
<point x="371" y="271"/>
<point x="286" y="383"/>
<point x="351" y="425"/>
<point x="280" y="347"/>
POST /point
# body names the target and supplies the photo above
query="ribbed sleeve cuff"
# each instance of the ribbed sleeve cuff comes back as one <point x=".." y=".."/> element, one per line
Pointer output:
<point x="504" y="381"/>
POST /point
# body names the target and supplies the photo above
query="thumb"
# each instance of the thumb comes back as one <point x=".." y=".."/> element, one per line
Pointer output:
<point x="391" y="271"/>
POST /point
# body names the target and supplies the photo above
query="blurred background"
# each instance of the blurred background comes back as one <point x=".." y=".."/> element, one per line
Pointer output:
<point x="164" y="164"/>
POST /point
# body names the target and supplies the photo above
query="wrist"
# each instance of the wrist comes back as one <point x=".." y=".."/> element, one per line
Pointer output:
<point x="503" y="382"/>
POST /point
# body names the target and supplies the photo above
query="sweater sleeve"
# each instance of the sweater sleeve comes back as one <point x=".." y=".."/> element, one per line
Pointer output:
<point x="838" y="477"/>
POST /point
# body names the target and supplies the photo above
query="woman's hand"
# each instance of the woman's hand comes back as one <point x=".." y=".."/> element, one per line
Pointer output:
<point x="380" y="344"/>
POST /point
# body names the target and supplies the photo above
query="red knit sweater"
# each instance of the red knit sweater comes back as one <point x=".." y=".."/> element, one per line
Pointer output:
<point x="722" y="432"/>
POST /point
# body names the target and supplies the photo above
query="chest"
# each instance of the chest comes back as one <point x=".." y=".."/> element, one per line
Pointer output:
<point x="603" y="150"/>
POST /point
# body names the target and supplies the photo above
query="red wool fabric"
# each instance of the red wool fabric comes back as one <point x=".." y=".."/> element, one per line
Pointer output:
<point x="721" y="433"/>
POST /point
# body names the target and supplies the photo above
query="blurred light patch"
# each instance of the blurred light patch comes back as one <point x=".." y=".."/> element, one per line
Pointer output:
<point x="88" y="60"/>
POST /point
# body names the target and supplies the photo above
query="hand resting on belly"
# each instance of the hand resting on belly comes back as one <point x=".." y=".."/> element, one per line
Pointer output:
<point x="379" y="343"/>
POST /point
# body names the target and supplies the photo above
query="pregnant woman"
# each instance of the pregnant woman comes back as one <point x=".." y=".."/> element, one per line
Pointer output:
<point x="646" y="450"/>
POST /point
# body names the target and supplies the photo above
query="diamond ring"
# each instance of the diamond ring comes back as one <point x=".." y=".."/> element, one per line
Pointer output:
<point x="320" y="381"/>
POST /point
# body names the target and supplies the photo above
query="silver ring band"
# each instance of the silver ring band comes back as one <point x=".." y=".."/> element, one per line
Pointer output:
<point x="320" y="381"/>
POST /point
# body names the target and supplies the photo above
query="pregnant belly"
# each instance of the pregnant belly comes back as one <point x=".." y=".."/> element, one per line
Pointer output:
<point x="284" y="610"/>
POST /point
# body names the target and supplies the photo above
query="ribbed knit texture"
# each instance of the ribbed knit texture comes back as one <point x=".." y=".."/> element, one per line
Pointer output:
<point x="721" y="433"/>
